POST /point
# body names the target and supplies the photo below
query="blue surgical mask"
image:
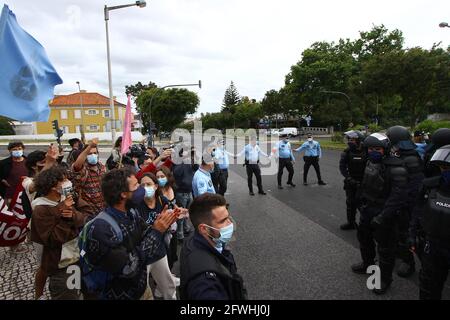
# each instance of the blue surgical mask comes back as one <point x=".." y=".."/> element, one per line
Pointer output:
<point x="92" y="159"/>
<point x="17" y="153"/>
<point x="149" y="192"/>
<point x="446" y="177"/>
<point x="375" y="156"/>
<point x="162" y="182"/>
<point x="226" y="233"/>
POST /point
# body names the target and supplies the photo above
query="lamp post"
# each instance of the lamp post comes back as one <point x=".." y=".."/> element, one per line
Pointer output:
<point x="83" y="139"/>
<point x="150" y="140"/>
<point x="140" y="4"/>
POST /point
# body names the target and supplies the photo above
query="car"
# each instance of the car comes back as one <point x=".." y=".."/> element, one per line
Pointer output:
<point x="272" y="132"/>
<point x="290" y="132"/>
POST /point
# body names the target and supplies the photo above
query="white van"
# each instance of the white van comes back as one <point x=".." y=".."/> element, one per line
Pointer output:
<point x="291" y="132"/>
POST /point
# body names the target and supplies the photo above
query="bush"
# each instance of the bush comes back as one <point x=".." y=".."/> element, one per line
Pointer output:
<point x="431" y="126"/>
<point x="5" y="127"/>
<point x="338" y="137"/>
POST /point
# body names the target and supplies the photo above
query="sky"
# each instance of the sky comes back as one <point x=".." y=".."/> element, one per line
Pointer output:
<point x="250" y="42"/>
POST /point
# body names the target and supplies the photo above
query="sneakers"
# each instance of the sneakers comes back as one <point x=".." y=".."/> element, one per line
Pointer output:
<point x="321" y="183"/>
<point x="348" y="226"/>
<point x="251" y="193"/>
<point x="406" y="270"/>
<point x="262" y="192"/>
<point x="383" y="288"/>
<point x="360" y="268"/>
<point x="280" y="187"/>
<point x="291" y="184"/>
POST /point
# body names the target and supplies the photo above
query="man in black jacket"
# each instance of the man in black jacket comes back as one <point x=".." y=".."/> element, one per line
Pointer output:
<point x="352" y="165"/>
<point x="208" y="269"/>
<point x="12" y="169"/>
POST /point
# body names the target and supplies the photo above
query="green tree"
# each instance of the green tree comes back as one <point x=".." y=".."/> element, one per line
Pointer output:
<point x="169" y="108"/>
<point x="231" y="99"/>
<point x="137" y="88"/>
<point x="6" y="128"/>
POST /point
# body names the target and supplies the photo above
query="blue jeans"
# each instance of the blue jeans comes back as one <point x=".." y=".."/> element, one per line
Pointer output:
<point x="183" y="200"/>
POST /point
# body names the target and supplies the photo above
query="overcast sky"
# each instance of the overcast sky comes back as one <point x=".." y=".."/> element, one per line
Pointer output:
<point x="252" y="42"/>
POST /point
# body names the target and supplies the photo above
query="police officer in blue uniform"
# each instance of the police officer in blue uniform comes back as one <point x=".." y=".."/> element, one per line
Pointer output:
<point x="285" y="159"/>
<point x="351" y="165"/>
<point x="202" y="182"/>
<point x="436" y="223"/>
<point x="207" y="266"/>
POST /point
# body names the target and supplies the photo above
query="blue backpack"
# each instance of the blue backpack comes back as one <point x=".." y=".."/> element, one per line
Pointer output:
<point x="94" y="279"/>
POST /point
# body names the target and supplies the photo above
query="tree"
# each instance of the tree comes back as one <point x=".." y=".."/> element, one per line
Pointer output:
<point x="231" y="99"/>
<point x="169" y="108"/>
<point x="137" y="88"/>
<point x="6" y="128"/>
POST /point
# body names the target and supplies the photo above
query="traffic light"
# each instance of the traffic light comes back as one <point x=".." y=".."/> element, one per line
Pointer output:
<point x="55" y="124"/>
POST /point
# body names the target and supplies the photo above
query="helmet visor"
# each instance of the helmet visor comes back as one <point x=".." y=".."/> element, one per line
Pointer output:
<point x="441" y="157"/>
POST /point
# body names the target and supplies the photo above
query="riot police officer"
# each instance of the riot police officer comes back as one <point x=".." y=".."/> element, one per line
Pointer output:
<point x="352" y="164"/>
<point x="436" y="223"/>
<point x="384" y="193"/>
<point x="439" y="139"/>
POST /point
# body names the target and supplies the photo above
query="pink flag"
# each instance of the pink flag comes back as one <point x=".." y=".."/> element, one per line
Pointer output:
<point x="126" y="138"/>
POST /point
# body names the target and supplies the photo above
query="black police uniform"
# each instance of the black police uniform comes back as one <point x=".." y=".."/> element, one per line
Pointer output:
<point x="384" y="195"/>
<point x="351" y="166"/>
<point x="207" y="274"/>
<point x="436" y="224"/>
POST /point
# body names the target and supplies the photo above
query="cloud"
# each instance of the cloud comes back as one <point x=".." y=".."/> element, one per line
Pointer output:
<point x="252" y="42"/>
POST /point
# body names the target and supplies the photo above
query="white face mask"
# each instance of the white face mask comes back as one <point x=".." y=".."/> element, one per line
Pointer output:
<point x="310" y="139"/>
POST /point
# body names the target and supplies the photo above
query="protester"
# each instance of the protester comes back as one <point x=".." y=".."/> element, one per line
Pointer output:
<point x="153" y="165"/>
<point x="118" y="245"/>
<point x="55" y="224"/>
<point x="77" y="148"/>
<point x="88" y="172"/>
<point x="208" y="269"/>
<point x="12" y="170"/>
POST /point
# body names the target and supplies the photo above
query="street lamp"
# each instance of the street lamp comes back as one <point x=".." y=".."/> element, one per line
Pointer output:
<point x="444" y="25"/>
<point x="82" y="122"/>
<point x="140" y="4"/>
<point x="199" y="84"/>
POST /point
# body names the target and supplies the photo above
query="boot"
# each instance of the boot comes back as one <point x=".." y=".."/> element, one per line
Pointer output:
<point x="360" y="268"/>
<point x="406" y="270"/>
<point x="385" y="285"/>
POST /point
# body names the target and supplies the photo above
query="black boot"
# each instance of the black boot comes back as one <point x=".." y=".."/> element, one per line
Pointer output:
<point x="406" y="270"/>
<point x="348" y="226"/>
<point x="360" y="268"/>
<point x="385" y="285"/>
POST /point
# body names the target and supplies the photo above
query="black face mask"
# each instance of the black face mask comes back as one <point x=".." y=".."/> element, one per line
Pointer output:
<point x="353" y="146"/>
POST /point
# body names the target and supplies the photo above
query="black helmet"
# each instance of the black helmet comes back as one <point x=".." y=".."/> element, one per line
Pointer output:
<point x="441" y="156"/>
<point x="441" y="137"/>
<point x="400" y="136"/>
<point x="376" y="140"/>
<point x="354" y="134"/>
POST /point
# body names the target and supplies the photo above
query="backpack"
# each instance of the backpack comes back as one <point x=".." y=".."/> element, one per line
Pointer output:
<point x="94" y="279"/>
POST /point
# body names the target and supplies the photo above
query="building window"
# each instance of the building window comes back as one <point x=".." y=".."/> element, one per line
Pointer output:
<point x="65" y="129"/>
<point x="63" y="114"/>
<point x="106" y="113"/>
<point x="92" y="112"/>
<point x="77" y="114"/>
<point x="93" y="127"/>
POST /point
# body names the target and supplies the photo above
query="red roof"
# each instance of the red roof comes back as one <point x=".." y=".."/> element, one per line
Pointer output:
<point x="89" y="99"/>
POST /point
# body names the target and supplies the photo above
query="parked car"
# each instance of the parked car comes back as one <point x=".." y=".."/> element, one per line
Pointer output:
<point x="272" y="132"/>
<point x="290" y="132"/>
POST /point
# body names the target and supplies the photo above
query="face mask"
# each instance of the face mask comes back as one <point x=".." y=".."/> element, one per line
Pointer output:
<point x="226" y="233"/>
<point x="162" y="182"/>
<point x="375" y="156"/>
<point x="353" y="146"/>
<point x="310" y="139"/>
<point x="138" y="195"/>
<point x="446" y="177"/>
<point x="149" y="192"/>
<point x="92" y="159"/>
<point x="17" y="153"/>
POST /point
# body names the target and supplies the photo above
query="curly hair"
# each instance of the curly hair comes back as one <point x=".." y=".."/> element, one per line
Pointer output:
<point x="15" y="144"/>
<point x="114" y="183"/>
<point x="32" y="159"/>
<point x="48" y="179"/>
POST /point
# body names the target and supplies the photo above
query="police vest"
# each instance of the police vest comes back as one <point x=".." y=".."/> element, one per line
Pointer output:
<point x="195" y="261"/>
<point x="436" y="219"/>
<point x="356" y="162"/>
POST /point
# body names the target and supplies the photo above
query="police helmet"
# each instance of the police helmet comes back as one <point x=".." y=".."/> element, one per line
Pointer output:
<point x="442" y="156"/>
<point x="401" y="137"/>
<point x="354" y="134"/>
<point x="441" y="137"/>
<point x="376" y="140"/>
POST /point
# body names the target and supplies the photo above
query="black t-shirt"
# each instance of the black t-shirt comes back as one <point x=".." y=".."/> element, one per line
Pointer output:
<point x="149" y="215"/>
